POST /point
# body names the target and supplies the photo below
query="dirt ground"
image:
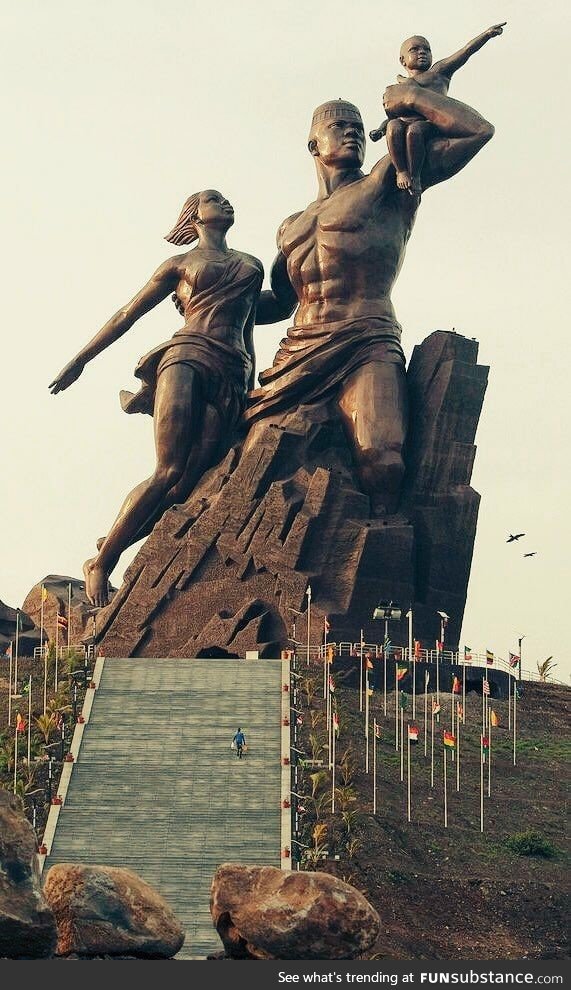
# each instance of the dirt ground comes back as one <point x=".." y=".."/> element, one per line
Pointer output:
<point x="451" y="892"/>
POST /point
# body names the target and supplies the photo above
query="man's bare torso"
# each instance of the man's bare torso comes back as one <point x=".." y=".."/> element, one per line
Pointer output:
<point x="344" y="252"/>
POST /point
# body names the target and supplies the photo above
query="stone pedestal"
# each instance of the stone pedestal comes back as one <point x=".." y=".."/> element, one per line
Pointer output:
<point x="228" y="571"/>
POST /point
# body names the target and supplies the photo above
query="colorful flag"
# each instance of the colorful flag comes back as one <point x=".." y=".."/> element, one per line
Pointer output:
<point x="489" y="657"/>
<point x="494" y="717"/>
<point x="336" y="723"/>
<point x="417" y="648"/>
<point x="300" y="809"/>
<point x="330" y="653"/>
<point x="61" y="621"/>
<point x="331" y="685"/>
<point x="413" y="733"/>
<point x="456" y="685"/>
<point x="326" y="626"/>
<point x="44" y="592"/>
<point x="449" y="740"/>
<point x="377" y="731"/>
<point x="467" y="654"/>
<point x="20" y="723"/>
<point x="435" y="707"/>
<point x="485" y="744"/>
<point x="369" y="664"/>
<point x="486" y="687"/>
<point x="460" y="709"/>
<point x="439" y="646"/>
<point x="369" y="691"/>
<point x="514" y="659"/>
<point x="9" y="651"/>
<point x="518" y="691"/>
<point x="387" y="645"/>
<point x="401" y="671"/>
<point x="26" y="687"/>
<point x="299" y="720"/>
<point x="403" y="699"/>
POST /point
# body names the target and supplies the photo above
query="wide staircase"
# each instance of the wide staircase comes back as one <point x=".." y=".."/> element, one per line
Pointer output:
<point x="157" y="789"/>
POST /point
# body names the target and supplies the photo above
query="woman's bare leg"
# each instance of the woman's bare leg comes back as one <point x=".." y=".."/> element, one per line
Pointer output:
<point x="177" y="417"/>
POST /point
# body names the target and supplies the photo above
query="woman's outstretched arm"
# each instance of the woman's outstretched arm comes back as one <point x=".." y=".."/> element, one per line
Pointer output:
<point x="157" y="288"/>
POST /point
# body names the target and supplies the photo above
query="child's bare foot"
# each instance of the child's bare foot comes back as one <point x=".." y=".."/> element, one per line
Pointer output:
<point x="404" y="181"/>
<point x="96" y="583"/>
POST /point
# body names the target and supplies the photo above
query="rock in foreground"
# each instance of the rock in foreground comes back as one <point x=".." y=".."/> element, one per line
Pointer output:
<point x="261" y="912"/>
<point x="109" y="911"/>
<point x="27" y="925"/>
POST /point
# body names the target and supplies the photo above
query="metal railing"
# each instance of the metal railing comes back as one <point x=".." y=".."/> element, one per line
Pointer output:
<point x="78" y="650"/>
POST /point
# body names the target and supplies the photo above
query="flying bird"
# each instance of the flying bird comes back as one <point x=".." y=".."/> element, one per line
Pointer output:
<point x="511" y="537"/>
<point x="532" y="554"/>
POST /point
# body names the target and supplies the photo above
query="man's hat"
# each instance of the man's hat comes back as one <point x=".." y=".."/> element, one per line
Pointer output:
<point x="333" y="109"/>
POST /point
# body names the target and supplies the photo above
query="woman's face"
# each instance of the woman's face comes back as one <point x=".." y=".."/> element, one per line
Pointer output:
<point x="214" y="209"/>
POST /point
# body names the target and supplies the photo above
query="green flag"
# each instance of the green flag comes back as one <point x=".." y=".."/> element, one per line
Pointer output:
<point x="403" y="699"/>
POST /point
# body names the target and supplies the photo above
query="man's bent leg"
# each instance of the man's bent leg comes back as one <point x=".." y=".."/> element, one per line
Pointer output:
<point x="374" y="409"/>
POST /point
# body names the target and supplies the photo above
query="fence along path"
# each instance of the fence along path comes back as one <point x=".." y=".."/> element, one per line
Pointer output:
<point x="158" y="790"/>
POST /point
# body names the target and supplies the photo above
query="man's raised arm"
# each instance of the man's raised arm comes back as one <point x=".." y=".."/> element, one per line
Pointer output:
<point x="462" y="131"/>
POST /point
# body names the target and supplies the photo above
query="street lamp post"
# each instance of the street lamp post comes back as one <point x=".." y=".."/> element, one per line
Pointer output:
<point x="443" y="623"/>
<point x="387" y="611"/>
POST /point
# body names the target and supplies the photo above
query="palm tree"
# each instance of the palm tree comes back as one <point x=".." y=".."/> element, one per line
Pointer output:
<point x="545" y="668"/>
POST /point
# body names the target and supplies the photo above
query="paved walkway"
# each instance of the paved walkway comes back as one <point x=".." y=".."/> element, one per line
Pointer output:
<point x="157" y="788"/>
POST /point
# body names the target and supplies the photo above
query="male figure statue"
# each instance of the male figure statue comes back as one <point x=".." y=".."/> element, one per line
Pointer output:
<point x="337" y="262"/>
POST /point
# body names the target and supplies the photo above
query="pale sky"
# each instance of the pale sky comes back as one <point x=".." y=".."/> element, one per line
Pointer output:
<point x="114" y="112"/>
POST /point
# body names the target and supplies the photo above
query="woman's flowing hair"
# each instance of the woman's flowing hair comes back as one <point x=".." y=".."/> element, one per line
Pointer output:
<point x="184" y="230"/>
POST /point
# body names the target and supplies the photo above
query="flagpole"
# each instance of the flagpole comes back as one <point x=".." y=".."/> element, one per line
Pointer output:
<point x="490" y="760"/>
<point x="29" y="718"/>
<point x="452" y="700"/>
<point x="10" y="685"/>
<point x="402" y="744"/>
<point x="515" y="721"/>
<point x="42" y="596"/>
<point x="481" y="783"/>
<point x="385" y="667"/>
<point x="445" y="794"/>
<point x="308" y="593"/>
<point x="17" y="647"/>
<point x="374" y="766"/>
<point x="432" y="747"/>
<point x="57" y="648"/>
<point x="16" y="757"/>
<point x="333" y="774"/>
<point x="464" y="693"/>
<point x="426" y="679"/>
<point x="483" y="708"/>
<point x="509" y="702"/>
<point x="367" y="721"/>
<point x="361" y="677"/>
<point x="45" y="651"/>
<point x="438" y="672"/>
<point x="408" y="773"/>
<point x="396" y="710"/>
<point x="68" y="616"/>
<point x="458" y="754"/>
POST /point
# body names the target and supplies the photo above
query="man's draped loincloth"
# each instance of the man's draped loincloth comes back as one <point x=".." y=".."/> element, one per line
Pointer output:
<point x="224" y="370"/>
<point x="313" y="360"/>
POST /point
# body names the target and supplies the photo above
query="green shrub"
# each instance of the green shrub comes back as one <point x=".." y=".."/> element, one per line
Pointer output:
<point x="531" y="843"/>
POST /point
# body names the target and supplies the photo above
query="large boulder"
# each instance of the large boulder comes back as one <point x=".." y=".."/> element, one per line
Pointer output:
<point x="27" y="924"/>
<point x="110" y="911"/>
<point x="261" y="912"/>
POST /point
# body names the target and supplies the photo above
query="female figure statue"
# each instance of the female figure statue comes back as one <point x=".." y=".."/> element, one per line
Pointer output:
<point x="195" y="384"/>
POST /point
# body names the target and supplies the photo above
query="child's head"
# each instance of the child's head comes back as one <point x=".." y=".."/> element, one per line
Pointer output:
<point x="415" y="53"/>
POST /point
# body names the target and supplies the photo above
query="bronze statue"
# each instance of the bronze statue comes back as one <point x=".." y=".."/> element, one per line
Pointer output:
<point x="195" y="384"/>
<point x="337" y="261"/>
<point x="407" y="135"/>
